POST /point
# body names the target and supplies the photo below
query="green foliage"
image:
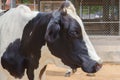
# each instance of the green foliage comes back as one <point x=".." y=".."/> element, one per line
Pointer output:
<point x="26" y="1"/>
<point x="93" y="9"/>
<point x="72" y="0"/>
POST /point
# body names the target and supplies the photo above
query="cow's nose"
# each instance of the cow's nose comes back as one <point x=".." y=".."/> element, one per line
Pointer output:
<point x="97" y="67"/>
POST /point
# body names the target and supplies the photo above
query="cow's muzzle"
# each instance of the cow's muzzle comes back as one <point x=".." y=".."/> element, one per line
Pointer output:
<point x="91" y="66"/>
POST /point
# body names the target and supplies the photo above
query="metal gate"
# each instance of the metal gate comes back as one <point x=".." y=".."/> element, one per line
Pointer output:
<point x="100" y="17"/>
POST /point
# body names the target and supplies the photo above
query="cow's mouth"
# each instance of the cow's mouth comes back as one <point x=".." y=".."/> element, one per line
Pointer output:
<point x="91" y="67"/>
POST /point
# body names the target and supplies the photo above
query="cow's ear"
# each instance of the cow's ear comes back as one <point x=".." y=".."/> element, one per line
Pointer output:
<point x="52" y="32"/>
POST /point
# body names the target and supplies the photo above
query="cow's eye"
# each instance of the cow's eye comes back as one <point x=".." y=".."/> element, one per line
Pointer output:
<point x="56" y="22"/>
<point x="74" y="33"/>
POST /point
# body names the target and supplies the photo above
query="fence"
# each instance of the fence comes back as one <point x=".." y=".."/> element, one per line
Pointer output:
<point x="100" y="17"/>
<point x="49" y="5"/>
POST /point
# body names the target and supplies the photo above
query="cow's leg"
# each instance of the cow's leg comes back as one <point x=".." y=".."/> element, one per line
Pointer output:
<point x="32" y="64"/>
<point x="42" y="75"/>
<point x="30" y="69"/>
<point x="30" y="73"/>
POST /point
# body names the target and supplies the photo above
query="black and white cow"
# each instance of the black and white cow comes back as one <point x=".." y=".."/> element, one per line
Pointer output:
<point x="66" y="39"/>
<point x="12" y="24"/>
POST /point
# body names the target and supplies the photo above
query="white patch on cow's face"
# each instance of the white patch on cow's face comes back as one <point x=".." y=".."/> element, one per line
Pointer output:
<point x="91" y="51"/>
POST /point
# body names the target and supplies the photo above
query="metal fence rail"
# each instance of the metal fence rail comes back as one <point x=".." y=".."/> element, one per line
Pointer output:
<point x="102" y="28"/>
<point x="101" y="17"/>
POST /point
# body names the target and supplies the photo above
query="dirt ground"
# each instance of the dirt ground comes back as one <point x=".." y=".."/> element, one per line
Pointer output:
<point x="107" y="72"/>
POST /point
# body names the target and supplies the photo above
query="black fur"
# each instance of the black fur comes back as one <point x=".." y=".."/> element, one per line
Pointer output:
<point x="12" y="60"/>
<point x="33" y="40"/>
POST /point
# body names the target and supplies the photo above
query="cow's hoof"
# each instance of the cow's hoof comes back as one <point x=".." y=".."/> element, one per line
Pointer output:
<point x="68" y="74"/>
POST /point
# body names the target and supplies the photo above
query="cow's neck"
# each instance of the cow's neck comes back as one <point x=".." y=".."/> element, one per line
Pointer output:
<point x="34" y="31"/>
<point x="33" y="38"/>
<point x="37" y="37"/>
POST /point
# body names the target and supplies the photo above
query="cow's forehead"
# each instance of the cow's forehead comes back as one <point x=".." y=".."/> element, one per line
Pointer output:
<point x="56" y="15"/>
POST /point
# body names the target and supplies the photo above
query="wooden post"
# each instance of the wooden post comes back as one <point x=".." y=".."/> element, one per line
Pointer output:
<point x="106" y="15"/>
<point x="81" y="11"/>
<point x="0" y="4"/>
<point x="34" y="4"/>
<point x="38" y="5"/>
<point x="12" y="3"/>
<point x="77" y="6"/>
<point x="3" y="4"/>
<point x="105" y="10"/>
<point x="81" y="8"/>
<point x="112" y="26"/>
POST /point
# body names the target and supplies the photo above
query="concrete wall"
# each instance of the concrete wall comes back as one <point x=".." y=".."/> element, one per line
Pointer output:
<point x="107" y="47"/>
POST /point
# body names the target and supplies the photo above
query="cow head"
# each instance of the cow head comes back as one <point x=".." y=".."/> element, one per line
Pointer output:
<point x="12" y="60"/>
<point x="67" y="39"/>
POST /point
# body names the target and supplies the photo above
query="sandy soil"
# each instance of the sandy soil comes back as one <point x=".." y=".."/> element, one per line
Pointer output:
<point x="108" y="72"/>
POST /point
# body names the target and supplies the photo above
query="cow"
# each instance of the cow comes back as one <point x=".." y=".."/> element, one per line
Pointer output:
<point x="12" y="24"/>
<point x="66" y="39"/>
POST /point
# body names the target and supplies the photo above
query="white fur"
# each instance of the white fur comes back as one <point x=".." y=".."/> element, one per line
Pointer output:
<point x="12" y="24"/>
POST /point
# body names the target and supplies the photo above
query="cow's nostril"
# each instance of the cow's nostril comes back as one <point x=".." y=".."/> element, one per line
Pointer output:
<point x="97" y="66"/>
